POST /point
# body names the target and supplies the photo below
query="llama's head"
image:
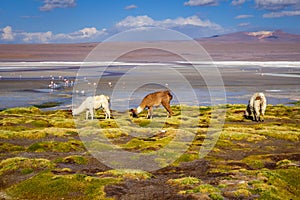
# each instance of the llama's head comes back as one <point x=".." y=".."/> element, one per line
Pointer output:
<point x="134" y="113"/>
<point x="262" y="95"/>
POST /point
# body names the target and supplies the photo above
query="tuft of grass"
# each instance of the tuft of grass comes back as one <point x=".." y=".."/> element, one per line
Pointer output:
<point x="20" y="110"/>
<point x="7" y="147"/>
<point x="75" y="159"/>
<point x="72" y="145"/>
<point x="185" y="181"/>
<point x="52" y="186"/>
<point x="255" y="161"/>
<point x="126" y="174"/>
<point x="204" y="189"/>
<point x="23" y="164"/>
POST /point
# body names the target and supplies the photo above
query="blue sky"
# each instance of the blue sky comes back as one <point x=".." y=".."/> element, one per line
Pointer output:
<point x="72" y="21"/>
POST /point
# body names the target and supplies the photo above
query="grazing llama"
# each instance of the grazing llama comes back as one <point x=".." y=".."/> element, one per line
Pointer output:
<point x="256" y="107"/>
<point x="154" y="99"/>
<point x="91" y="103"/>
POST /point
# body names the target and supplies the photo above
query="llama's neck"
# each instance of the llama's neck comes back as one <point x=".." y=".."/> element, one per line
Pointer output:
<point x="85" y="105"/>
<point x="140" y="109"/>
<point x="78" y="110"/>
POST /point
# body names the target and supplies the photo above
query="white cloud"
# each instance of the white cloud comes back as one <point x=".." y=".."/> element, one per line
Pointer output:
<point x="201" y="3"/>
<point x="276" y="4"/>
<point x="7" y="34"/>
<point x="49" y="5"/>
<point x="83" y="35"/>
<point x="37" y="37"/>
<point x="243" y="16"/>
<point x="145" y="21"/>
<point x="237" y="2"/>
<point x="130" y="7"/>
<point x="135" y="22"/>
<point x="282" y="14"/>
<point x="192" y="26"/>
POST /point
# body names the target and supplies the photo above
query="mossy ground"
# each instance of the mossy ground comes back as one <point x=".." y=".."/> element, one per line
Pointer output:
<point x="250" y="160"/>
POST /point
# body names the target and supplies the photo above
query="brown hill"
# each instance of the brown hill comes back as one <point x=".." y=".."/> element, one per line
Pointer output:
<point x="260" y="36"/>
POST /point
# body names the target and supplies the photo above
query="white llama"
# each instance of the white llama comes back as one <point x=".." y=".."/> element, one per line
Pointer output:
<point x="91" y="103"/>
<point x="256" y="107"/>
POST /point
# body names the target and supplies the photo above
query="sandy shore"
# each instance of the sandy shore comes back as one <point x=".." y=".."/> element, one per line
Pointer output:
<point x="218" y="51"/>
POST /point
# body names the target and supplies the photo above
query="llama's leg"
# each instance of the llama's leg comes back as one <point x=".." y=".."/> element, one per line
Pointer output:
<point x="256" y="114"/>
<point x="263" y="110"/>
<point x="107" y="112"/>
<point x="247" y="113"/>
<point x="150" y="112"/>
<point x="166" y="105"/>
<point x="252" y="112"/>
<point x="92" y="113"/>
<point x="261" y="116"/>
<point x="87" y="114"/>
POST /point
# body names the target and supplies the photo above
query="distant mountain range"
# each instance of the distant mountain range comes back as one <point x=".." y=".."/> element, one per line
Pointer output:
<point x="262" y="36"/>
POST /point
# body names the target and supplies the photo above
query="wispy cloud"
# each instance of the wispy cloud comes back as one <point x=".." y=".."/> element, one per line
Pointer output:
<point x="201" y="3"/>
<point x="29" y="17"/>
<point x="7" y="34"/>
<point x="282" y="14"/>
<point x="276" y="4"/>
<point x="243" y="16"/>
<point x="130" y="7"/>
<point x="237" y="2"/>
<point x="49" y="5"/>
<point x="244" y="24"/>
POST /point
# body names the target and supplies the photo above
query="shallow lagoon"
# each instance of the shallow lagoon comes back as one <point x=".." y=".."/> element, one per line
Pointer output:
<point x="26" y="83"/>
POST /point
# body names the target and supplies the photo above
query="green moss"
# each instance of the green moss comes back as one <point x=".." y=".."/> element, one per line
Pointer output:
<point x="27" y="171"/>
<point x="72" y="145"/>
<point x="54" y="131"/>
<point x="127" y="174"/>
<point x="38" y="123"/>
<point x="25" y="110"/>
<point x="255" y="161"/>
<point x="204" y="189"/>
<point x="242" y="193"/>
<point x="52" y="186"/>
<point x="7" y="147"/>
<point x="19" y="163"/>
<point x="216" y="196"/>
<point x="75" y="159"/>
<point x="283" y="163"/>
<point x="185" y="181"/>
<point x="278" y="184"/>
<point x="140" y="144"/>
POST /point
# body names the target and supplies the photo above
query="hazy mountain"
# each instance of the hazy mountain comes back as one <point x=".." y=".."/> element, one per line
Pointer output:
<point x="266" y="36"/>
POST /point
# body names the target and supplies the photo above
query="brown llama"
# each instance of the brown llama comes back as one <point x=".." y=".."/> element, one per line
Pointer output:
<point x="154" y="99"/>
